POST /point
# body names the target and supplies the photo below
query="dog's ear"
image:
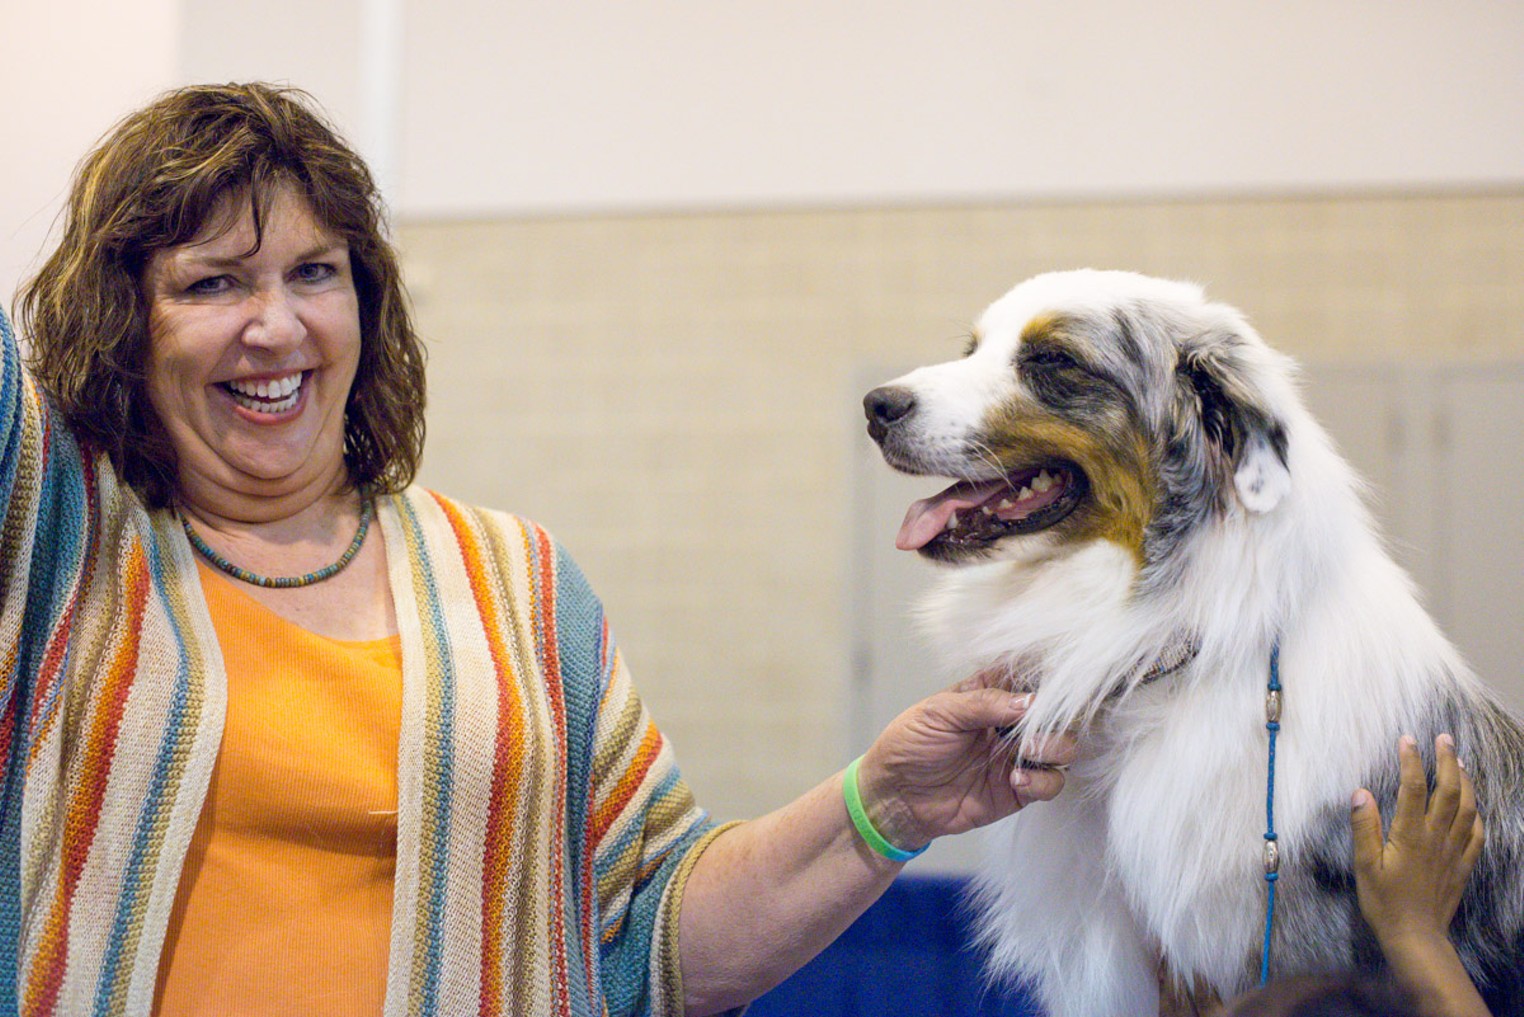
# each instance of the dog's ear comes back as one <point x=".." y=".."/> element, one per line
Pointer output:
<point x="1243" y="437"/>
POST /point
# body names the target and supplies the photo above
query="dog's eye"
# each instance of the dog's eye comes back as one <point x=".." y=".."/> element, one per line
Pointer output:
<point x="1047" y="358"/>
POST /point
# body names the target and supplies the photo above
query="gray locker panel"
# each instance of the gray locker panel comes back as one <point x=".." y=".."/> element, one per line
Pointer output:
<point x="1477" y="489"/>
<point x="1364" y="410"/>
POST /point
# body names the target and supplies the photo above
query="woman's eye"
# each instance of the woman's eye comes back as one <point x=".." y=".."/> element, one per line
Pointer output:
<point x="210" y="286"/>
<point x="315" y="271"/>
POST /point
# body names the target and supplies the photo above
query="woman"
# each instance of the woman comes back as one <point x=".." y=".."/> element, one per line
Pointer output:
<point x="284" y="733"/>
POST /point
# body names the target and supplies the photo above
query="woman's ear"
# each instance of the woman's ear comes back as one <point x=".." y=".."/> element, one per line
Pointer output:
<point x="1245" y="438"/>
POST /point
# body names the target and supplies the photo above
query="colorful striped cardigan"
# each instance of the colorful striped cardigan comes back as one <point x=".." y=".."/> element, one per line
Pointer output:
<point x="544" y="833"/>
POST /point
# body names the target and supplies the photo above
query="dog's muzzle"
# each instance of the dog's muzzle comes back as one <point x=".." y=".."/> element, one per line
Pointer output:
<point x="978" y="510"/>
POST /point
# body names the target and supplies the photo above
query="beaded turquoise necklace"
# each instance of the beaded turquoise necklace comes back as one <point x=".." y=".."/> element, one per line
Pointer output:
<point x="283" y="582"/>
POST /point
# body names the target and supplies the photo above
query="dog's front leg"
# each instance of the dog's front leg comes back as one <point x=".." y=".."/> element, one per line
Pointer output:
<point x="1053" y="918"/>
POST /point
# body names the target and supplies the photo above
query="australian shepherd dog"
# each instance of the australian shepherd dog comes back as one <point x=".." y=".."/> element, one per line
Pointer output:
<point x="1143" y="514"/>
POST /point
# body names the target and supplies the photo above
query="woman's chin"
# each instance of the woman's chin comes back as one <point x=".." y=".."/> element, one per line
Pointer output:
<point x="260" y="479"/>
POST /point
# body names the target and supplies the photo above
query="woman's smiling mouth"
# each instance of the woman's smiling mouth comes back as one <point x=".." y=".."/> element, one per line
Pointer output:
<point x="268" y="395"/>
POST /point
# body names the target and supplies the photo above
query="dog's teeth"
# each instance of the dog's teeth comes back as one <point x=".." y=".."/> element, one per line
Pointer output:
<point x="986" y="510"/>
<point x="952" y="521"/>
<point x="1043" y="482"/>
<point x="1005" y="503"/>
<point x="1024" y="494"/>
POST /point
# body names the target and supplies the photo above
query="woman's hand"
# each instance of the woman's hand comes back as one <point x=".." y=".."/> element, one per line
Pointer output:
<point x="1411" y="884"/>
<point x="769" y="894"/>
<point x="945" y="766"/>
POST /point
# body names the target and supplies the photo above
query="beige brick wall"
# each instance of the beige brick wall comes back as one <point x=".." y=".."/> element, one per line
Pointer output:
<point x="673" y="396"/>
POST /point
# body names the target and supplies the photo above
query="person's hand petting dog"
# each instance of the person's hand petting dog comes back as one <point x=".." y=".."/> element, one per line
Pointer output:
<point x="947" y="765"/>
<point x="1410" y="884"/>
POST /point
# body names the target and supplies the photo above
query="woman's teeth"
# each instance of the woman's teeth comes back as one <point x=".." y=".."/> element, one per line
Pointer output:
<point x="271" y="395"/>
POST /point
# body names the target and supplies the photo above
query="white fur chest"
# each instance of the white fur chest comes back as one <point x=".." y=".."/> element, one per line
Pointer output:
<point x="1185" y="817"/>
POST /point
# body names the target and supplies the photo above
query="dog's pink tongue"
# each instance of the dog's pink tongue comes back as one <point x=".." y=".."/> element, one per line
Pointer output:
<point x="928" y="517"/>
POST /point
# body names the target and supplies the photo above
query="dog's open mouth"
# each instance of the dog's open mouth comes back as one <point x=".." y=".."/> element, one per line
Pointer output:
<point x="973" y="514"/>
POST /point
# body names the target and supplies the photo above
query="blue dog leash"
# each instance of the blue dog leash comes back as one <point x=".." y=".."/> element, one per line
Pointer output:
<point x="1272" y="850"/>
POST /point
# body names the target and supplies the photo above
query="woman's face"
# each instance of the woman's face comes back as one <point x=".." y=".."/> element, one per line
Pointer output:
<point x="251" y="355"/>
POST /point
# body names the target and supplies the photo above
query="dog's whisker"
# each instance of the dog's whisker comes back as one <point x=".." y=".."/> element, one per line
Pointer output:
<point x="986" y="454"/>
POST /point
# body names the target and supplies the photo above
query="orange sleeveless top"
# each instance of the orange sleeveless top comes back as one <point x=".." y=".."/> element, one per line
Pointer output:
<point x="285" y="902"/>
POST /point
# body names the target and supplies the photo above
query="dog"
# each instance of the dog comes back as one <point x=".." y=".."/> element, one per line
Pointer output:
<point x="1144" y="514"/>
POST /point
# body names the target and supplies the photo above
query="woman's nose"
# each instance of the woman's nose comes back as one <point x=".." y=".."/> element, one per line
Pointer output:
<point x="274" y="321"/>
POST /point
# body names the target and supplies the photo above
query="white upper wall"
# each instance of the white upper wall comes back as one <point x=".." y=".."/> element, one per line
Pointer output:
<point x="584" y="103"/>
<point x="472" y="107"/>
<point x="68" y="70"/>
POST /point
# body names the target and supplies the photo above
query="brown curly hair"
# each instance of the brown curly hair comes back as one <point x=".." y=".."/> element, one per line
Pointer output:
<point x="155" y="181"/>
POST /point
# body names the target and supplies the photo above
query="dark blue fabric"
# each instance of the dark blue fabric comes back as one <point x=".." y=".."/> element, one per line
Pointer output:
<point x="909" y="955"/>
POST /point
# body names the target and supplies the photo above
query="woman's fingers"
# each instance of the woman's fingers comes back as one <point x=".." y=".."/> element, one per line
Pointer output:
<point x="1039" y="785"/>
<point x="1048" y="751"/>
<point x="989" y="678"/>
<point x="970" y="709"/>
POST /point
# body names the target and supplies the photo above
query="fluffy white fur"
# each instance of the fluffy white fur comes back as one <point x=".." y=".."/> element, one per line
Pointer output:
<point x="1155" y="847"/>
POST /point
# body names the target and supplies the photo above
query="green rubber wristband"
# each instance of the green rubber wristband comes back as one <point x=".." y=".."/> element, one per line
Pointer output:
<point x="864" y="826"/>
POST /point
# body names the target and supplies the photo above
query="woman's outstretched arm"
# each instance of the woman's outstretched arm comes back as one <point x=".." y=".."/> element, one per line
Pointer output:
<point x="771" y="893"/>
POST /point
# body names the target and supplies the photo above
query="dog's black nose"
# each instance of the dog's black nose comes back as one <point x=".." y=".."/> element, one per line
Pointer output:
<point x="887" y="404"/>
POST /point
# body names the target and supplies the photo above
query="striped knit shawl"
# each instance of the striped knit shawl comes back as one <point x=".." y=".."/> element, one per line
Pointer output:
<point x="544" y="833"/>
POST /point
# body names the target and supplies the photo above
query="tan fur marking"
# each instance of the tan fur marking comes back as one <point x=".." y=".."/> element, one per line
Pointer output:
<point x="1122" y="497"/>
<point x="1043" y="326"/>
<point x="1055" y="331"/>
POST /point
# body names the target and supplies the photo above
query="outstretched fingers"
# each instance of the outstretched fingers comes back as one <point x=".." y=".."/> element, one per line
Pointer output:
<point x="1467" y="835"/>
<point x="1365" y="826"/>
<point x="1453" y="813"/>
<point x="1445" y="802"/>
<point x="1412" y="792"/>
